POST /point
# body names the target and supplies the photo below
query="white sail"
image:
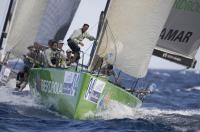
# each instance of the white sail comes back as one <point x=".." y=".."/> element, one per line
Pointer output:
<point x="132" y="32"/>
<point x="39" y="20"/>
<point x="56" y="20"/>
<point x="25" y="22"/>
<point x="181" y="33"/>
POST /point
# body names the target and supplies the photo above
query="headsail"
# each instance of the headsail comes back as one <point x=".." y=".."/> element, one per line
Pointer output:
<point x="25" y="22"/>
<point x="56" y="20"/>
<point x="39" y="20"/>
<point x="180" y="38"/>
<point x="130" y="33"/>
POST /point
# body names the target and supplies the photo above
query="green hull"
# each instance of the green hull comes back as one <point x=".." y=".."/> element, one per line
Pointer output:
<point x="75" y="94"/>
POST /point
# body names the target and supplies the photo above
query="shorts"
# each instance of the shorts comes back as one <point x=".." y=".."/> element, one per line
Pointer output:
<point x="73" y="46"/>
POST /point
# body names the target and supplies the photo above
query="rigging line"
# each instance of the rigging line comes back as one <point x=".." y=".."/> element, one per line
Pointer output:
<point x="91" y="44"/>
<point x="88" y="48"/>
<point x="92" y="27"/>
<point x="114" y="41"/>
<point x="104" y="50"/>
<point x="15" y="52"/>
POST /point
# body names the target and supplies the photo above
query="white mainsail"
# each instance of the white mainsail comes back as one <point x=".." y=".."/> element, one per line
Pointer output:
<point x="39" y="20"/>
<point x="131" y="33"/>
<point x="181" y="33"/>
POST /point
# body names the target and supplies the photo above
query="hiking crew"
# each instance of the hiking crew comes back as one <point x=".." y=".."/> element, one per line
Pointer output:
<point x="62" y="57"/>
<point x="76" y="39"/>
<point x="52" y="54"/>
<point x="22" y="79"/>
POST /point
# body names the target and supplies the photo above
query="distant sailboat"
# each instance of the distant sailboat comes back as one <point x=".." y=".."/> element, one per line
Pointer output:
<point x="127" y="36"/>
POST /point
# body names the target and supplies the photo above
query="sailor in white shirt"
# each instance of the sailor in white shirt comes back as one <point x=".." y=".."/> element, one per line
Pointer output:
<point x="51" y="54"/>
<point x="61" y="55"/>
<point x="76" y="39"/>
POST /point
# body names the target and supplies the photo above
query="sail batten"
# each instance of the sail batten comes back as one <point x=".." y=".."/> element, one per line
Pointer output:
<point x="132" y="32"/>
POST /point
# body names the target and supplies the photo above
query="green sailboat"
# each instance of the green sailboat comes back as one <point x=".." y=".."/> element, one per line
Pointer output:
<point x="75" y="93"/>
<point x="127" y="34"/>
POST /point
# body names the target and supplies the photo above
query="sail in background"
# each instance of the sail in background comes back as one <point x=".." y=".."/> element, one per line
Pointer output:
<point x="56" y="20"/>
<point x="181" y="33"/>
<point x="131" y="32"/>
<point x="39" y="20"/>
<point x="25" y="22"/>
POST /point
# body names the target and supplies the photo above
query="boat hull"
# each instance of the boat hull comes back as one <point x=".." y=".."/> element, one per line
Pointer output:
<point x="75" y="94"/>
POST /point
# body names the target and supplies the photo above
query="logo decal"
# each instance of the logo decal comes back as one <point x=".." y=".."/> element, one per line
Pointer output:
<point x="94" y="90"/>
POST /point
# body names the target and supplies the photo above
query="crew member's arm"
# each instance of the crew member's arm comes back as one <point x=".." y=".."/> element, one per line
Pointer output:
<point x="75" y="36"/>
<point x="90" y="37"/>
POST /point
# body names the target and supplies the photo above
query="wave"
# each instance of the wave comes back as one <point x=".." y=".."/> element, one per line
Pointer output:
<point x="120" y="111"/>
<point x="166" y="74"/>
<point x="8" y="96"/>
<point x="193" y="88"/>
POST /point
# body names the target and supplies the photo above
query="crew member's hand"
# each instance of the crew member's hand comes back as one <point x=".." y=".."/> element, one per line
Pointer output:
<point x="81" y="44"/>
<point x="96" y="41"/>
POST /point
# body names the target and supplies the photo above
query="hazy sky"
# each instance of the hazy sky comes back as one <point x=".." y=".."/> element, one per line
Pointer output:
<point x="88" y="12"/>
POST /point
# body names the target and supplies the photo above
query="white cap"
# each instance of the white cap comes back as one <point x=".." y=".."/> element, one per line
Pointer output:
<point x="68" y="50"/>
<point x="61" y="42"/>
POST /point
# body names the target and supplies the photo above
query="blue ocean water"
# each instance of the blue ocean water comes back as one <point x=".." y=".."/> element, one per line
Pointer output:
<point x="173" y="105"/>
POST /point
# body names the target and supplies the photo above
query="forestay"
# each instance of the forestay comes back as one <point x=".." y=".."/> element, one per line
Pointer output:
<point x="39" y="20"/>
<point x="132" y="28"/>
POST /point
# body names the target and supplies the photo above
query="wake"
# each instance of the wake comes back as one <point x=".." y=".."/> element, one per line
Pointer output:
<point x="120" y="111"/>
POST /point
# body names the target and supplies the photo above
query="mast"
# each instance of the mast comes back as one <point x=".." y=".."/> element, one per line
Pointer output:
<point x="4" y="34"/>
<point x="100" y="27"/>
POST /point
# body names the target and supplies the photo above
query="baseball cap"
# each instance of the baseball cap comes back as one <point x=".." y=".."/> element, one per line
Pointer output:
<point x="61" y="42"/>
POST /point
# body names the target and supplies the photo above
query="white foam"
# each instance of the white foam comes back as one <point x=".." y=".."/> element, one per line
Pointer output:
<point x="166" y="74"/>
<point x="183" y="72"/>
<point x="120" y="111"/>
<point x="197" y="71"/>
<point x="115" y="111"/>
<point x="156" y="73"/>
<point x="7" y="96"/>
<point x="193" y="88"/>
